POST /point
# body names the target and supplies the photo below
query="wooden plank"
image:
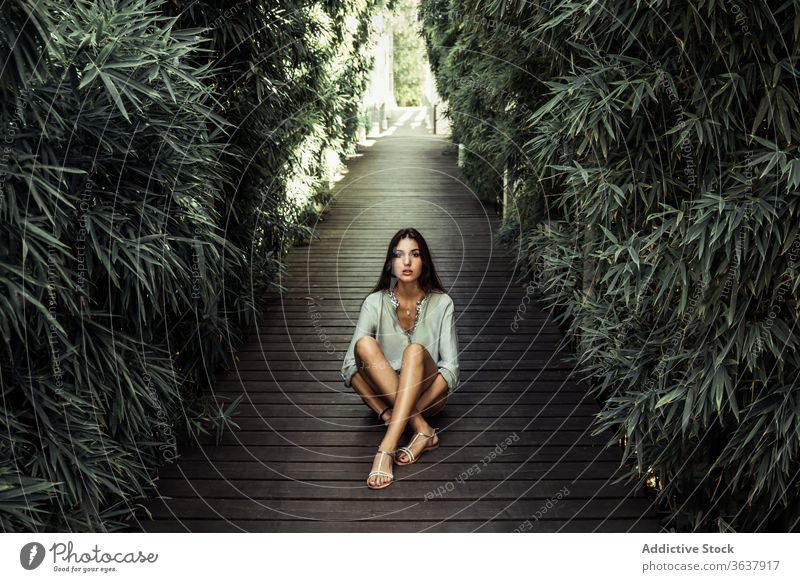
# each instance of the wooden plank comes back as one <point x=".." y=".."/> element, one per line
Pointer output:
<point x="346" y="470"/>
<point x="326" y="453"/>
<point x="475" y="401"/>
<point x="379" y="508"/>
<point x="451" y="412"/>
<point x="331" y="423"/>
<point x="529" y="362"/>
<point x="420" y="490"/>
<point x="265" y="436"/>
<point x="543" y="525"/>
<point x="468" y="392"/>
<point x="333" y="376"/>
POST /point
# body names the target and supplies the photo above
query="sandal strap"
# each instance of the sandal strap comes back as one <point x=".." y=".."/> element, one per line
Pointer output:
<point x="379" y="471"/>
<point x="414" y="438"/>
<point x="407" y="449"/>
<point x="419" y="434"/>
<point x="408" y="453"/>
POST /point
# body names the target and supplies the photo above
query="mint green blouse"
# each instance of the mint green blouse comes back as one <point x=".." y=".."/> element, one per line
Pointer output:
<point x="434" y="327"/>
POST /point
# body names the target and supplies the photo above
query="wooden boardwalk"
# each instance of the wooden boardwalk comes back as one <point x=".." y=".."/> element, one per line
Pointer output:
<point x="306" y="443"/>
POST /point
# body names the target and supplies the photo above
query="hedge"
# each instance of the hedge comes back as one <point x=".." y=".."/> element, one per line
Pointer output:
<point x="159" y="158"/>
<point x="651" y="152"/>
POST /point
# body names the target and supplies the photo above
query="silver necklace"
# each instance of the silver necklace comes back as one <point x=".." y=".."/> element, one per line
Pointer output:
<point x="396" y="303"/>
<point x="408" y="309"/>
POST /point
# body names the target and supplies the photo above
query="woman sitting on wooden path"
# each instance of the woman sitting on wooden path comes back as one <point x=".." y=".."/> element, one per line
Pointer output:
<point x="403" y="357"/>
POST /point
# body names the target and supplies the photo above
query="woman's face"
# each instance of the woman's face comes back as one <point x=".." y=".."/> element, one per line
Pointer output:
<point x="407" y="263"/>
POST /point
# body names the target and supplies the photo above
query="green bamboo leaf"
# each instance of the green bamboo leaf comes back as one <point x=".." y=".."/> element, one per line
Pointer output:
<point x="669" y="397"/>
<point x="112" y="90"/>
<point x="634" y="254"/>
<point x="88" y="75"/>
<point x="609" y="235"/>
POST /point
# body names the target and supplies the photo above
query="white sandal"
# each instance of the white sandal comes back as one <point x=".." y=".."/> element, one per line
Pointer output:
<point x="407" y="450"/>
<point x="380" y="472"/>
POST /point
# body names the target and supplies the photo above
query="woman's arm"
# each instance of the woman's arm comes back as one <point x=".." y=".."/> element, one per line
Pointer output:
<point x="367" y="325"/>
<point x="448" y="346"/>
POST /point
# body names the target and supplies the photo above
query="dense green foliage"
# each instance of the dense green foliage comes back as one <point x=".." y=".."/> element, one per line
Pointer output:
<point x="158" y="158"/>
<point x="652" y="149"/>
<point x="409" y="54"/>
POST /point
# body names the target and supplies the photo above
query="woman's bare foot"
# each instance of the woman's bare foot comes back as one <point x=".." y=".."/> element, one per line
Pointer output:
<point x="383" y="463"/>
<point x="420" y="443"/>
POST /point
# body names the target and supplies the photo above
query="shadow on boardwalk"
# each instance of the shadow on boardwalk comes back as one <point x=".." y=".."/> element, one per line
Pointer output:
<point x="516" y="454"/>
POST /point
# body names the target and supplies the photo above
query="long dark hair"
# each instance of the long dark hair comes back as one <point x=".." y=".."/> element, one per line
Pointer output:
<point x="428" y="279"/>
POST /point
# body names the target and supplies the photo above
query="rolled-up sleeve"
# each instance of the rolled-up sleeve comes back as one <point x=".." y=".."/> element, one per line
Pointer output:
<point x="367" y="325"/>
<point x="448" y="347"/>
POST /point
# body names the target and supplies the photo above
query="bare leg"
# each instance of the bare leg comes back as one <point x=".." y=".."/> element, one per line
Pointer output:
<point x="377" y="383"/>
<point x="434" y="398"/>
<point x="430" y="403"/>
<point x="417" y="371"/>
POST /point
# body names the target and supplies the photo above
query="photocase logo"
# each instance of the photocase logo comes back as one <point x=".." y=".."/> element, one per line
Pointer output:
<point x="31" y="555"/>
